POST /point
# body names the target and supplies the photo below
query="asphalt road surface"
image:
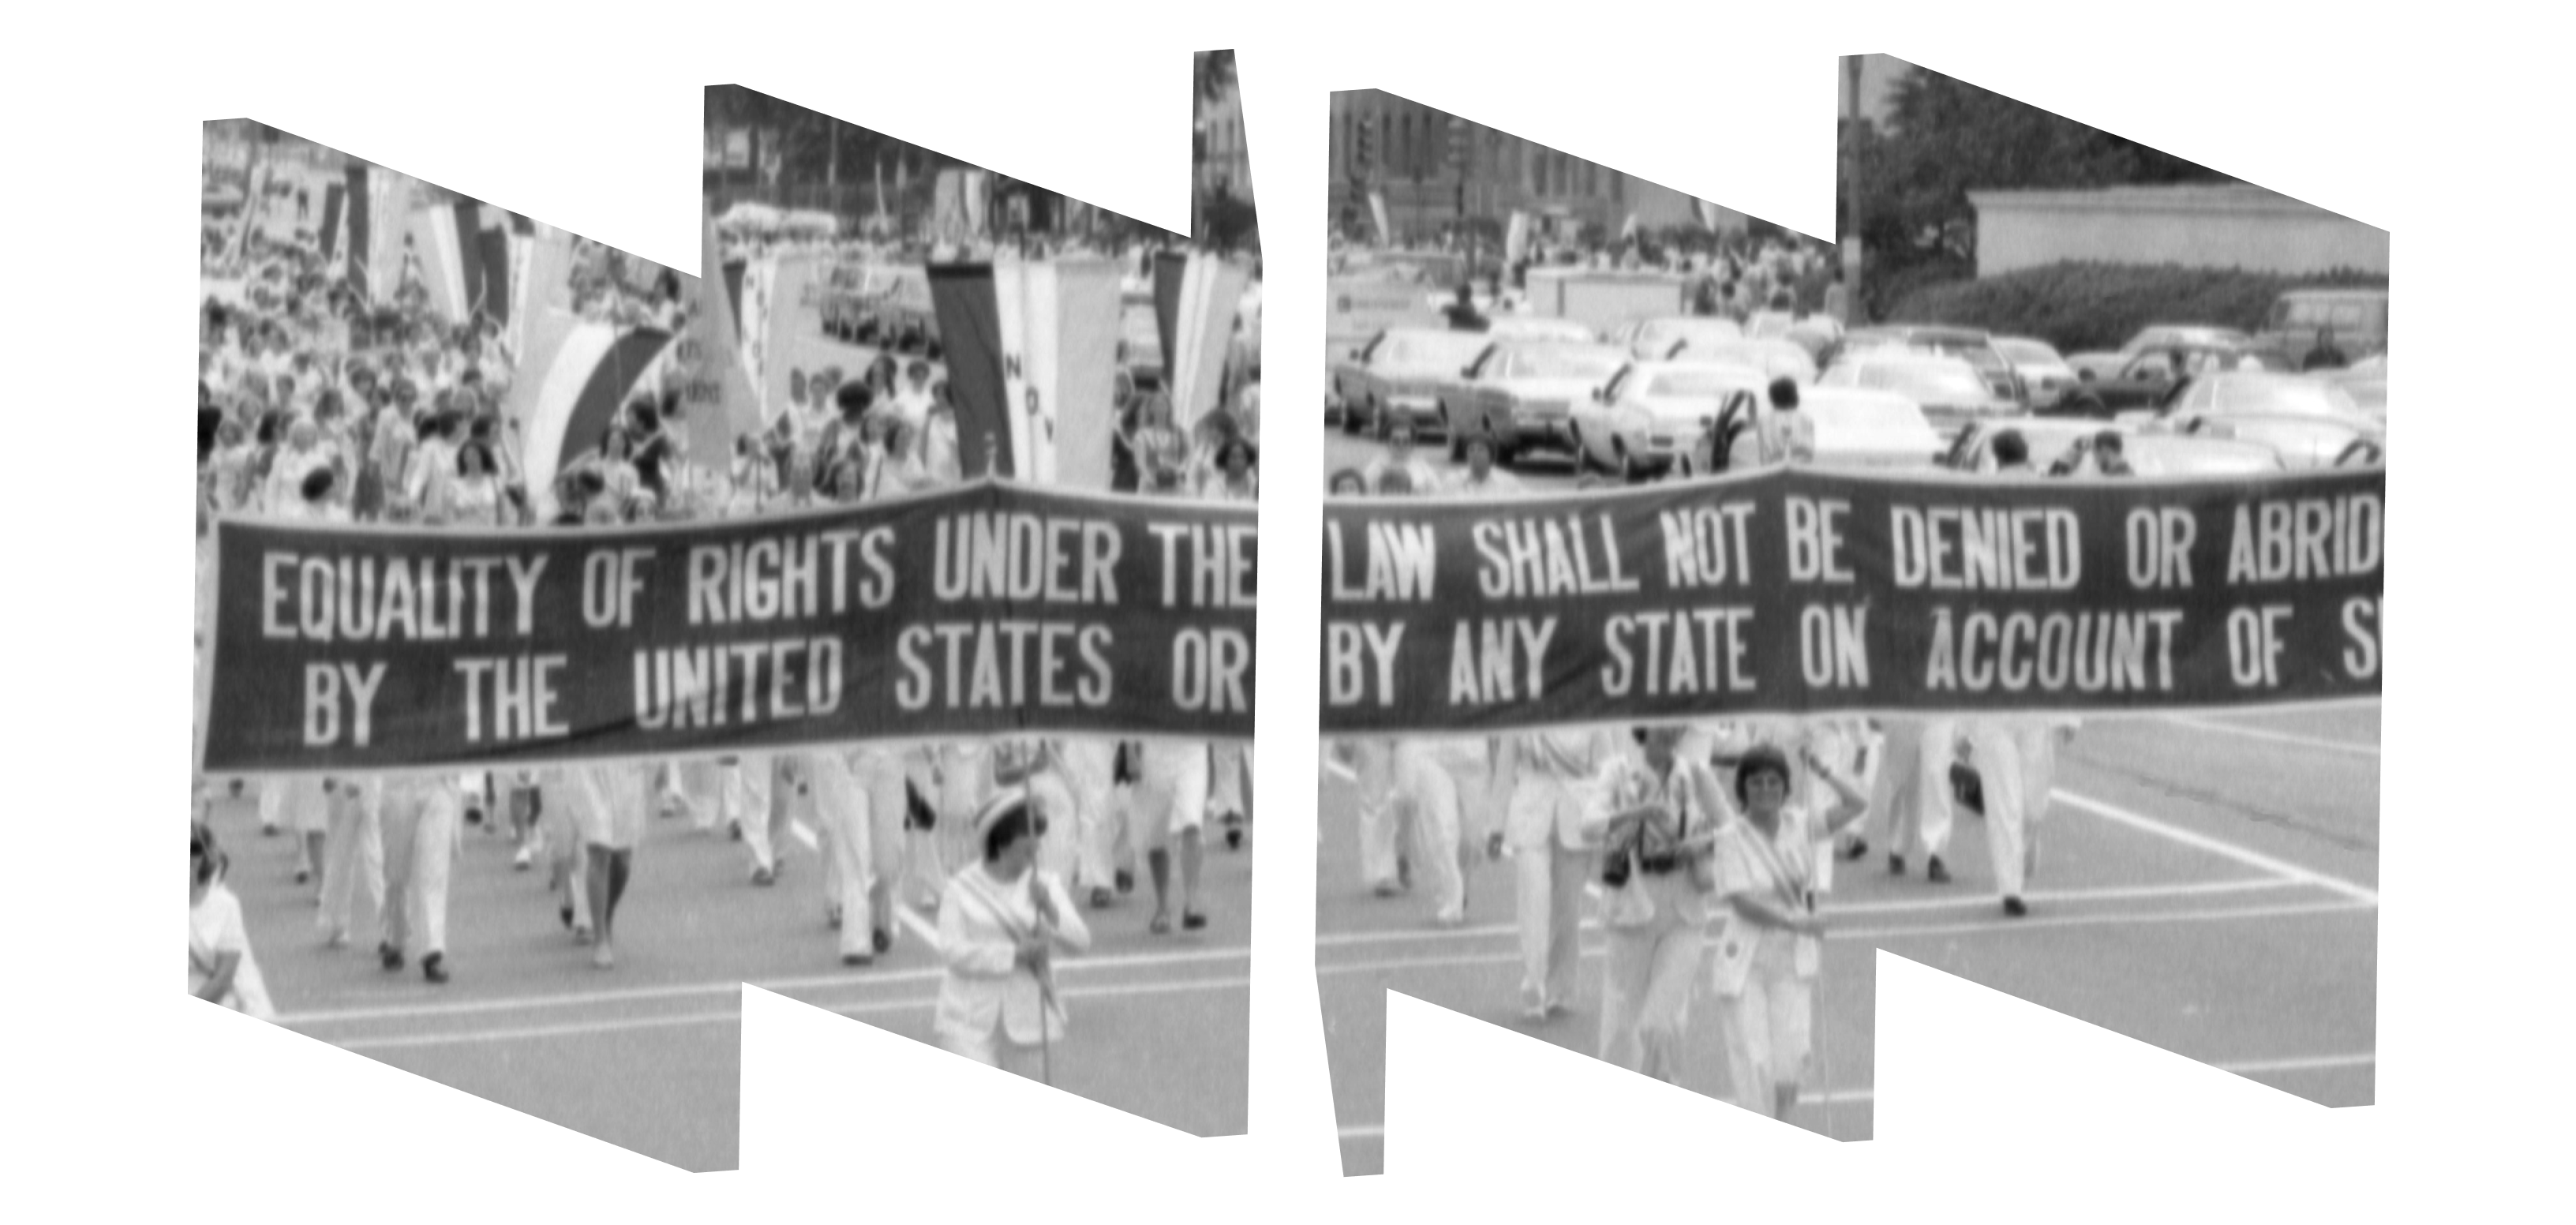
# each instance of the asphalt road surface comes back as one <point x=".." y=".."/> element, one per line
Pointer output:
<point x="2208" y="885"/>
<point x="1539" y="471"/>
<point x="647" y="1055"/>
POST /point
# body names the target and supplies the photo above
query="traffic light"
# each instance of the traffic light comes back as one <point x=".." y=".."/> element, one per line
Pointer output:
<point x="1458" y="138"/>
<point x="1364" y="159"/>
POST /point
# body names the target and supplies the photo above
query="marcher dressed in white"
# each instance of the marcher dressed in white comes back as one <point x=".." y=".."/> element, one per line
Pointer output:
<point x="1001" y="922"/>
<point x="1770" y="944"/>
<point x="1657" y="828"/>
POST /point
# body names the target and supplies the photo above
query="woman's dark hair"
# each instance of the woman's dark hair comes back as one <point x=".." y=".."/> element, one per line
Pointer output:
<point x="1006" y="828"/>
<point x="1236" y="445"/>
<point x="210" y="424"/>
<point x="203" y="856"/>
<point x="477" y="447"/>
<point x="1350" y="474"/>
<point x="645" y="417"/>
<point x="271" y="424"/>
<point x="317" y="484"/>
<point x="1761" y="758"/>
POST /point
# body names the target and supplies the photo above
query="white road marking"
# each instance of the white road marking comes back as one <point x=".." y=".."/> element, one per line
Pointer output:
<point x="569" y="1029"/>
<point x="1372" y="1131"/>
<point x="855" y="978"/>
<point x="2216" y="846"/>
<point x="1998" y="924"/>
<point x="2265" y="733"/>
<point x="1955" y="901"/>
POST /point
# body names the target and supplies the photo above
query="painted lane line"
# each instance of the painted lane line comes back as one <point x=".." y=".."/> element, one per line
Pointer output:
<point x="1891" y="906"/>
<point x="2216" y="846"/>
<point x="575" y="999"/>
<point x="1372" y="1131"/>
<point x="2265" y="733"/>
<point x="574" y="1028"/>
<point x="1997" y="925"/>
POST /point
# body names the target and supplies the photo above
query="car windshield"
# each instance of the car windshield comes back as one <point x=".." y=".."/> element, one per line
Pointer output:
<point x="1562" y="364"/>
<point x="1690" y="383"/>
<point x="1435" y="350"/>
<point x="2296" y="397"/>
<point x="1938" y="383"/>
<point x="2029" y="353"/>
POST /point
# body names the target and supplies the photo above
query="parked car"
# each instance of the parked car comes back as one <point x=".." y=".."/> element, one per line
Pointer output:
<point x="2051" y="439"/>
<point x="1398" y="374"/>
<point x="2366" y="381"/>
<point x="1539" y="327"/>
<point x="1520" y="394"/>
<point x="1655" y="339"/>
<point x="2158" y="336"/>
<point x="1972" y="345"/>
<point x="2043" y="373"/>
<point x="1848" y="427"/>
<point x="2303" y="320"/>
<point x="2150" y="379"/>
<point x="1650" y="413"/>
<point x="2311" y="423"/>
<point x="1950" y="391"/>
<point x="1774" y="358"/>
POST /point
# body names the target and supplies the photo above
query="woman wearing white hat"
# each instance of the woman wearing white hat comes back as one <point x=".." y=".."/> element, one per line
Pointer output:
<point x="1001" y="922"/>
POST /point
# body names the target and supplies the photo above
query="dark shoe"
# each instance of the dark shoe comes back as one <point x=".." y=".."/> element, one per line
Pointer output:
<point x="434" y="967"/>
<point x="858" y="959"/>
<point x="1403" y="872"/>
<point x="733" y="830"/>
<point x="473" y="816"/>
<point x="1192" y="922"/>
<point x="1858" y="850"/>
<point x="564" y="912"/>
<point x="1936" y="871"/>
<point x="301" y="876"/>
<point x="763" y="876"/>
<point x="880" y="939"/>
<point x="1100" y="897"/>
<point x="1234" y="837"/>
<point x="2014" y="907"/>
<point x="1387" y="888"/>
<point x="832" y="916"/>
<point x="1126" y="881"/>
<point x="268" y="831"/>
<point x="1896" y="865"/>
<point x="390" y="956"/>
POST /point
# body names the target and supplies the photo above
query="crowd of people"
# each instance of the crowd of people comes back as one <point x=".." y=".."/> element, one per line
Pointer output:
<point x="314" y="404"/>
<point x="1704" y="846"/>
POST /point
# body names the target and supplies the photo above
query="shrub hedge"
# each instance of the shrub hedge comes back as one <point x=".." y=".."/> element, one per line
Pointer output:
<point x="2085" y="306"/>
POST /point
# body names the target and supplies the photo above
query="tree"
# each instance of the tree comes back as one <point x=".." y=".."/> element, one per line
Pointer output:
<point x="1945" y="138"/>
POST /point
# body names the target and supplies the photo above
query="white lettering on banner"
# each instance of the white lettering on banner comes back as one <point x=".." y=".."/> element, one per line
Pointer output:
<point x="996" y="555"/>
<point x="2254" y="645"/>
<point x="989" y="664"/>
<point x="1697" y="550"/>
<point x="2092" y="651"/>
<point x="1484" y="658"/>
<point x="1219" y="563"/>
<point x="2305" y="538"/>
<point x="2160" y="540"/>
<point x="1833" y="646"/>
<point x="1815" y="541"/>
<point x="1207" y="669"/>
<point x="1529" y="558"/>
<point x="321" y="704"/>
<point x="1965" y="548"/>
<point x="2361" y="624"/>
<point x="523" y="696"/>
<point x="1402" y="558"/>
<point x="1706" y="654"/>
<point x="523" y="581"/>
<point x="693" y="686"/>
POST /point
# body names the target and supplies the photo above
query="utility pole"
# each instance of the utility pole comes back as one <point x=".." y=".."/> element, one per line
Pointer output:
<point x="1851" y="251"/>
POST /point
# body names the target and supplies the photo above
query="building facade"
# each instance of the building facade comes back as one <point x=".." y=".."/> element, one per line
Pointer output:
<point x="2229" y="225"/>
<point x="1435" y="169"/>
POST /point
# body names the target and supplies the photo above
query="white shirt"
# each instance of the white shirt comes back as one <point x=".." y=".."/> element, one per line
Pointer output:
<point x="215" y="927"/>
<point x="985" y="987"/>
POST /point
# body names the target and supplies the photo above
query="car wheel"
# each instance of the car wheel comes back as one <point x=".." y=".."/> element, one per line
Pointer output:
<point x="1629" y="472"/>
<point x="1457" y="441"/>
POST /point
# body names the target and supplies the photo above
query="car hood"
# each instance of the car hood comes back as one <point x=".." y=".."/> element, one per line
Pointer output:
<point x="1548" y="389"/>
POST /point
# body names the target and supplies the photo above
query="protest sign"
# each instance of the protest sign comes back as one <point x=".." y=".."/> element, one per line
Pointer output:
<point x="1796" y="591"/>
<point x="988" y="609"/>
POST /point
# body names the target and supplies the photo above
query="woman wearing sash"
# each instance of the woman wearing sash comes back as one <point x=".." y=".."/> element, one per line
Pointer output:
<point x="1001" y="922"/>
<point x="1770" y="942"/>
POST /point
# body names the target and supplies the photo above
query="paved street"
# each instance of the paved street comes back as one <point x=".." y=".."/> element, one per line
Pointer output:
<point x="1541" y="471"/>
<point x="647" y="1055"/>
<point x="2208" y="885"/>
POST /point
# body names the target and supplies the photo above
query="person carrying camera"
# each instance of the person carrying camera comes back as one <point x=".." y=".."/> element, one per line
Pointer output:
<point x="1657" y="832"/>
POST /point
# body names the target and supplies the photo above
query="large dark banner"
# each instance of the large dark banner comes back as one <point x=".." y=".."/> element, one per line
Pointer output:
<point x="1792" y="591"/>
<point x="988" y="609"/>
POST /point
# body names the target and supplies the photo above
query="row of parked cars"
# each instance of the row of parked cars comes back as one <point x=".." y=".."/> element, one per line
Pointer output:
<point x="1690" y="393"/>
